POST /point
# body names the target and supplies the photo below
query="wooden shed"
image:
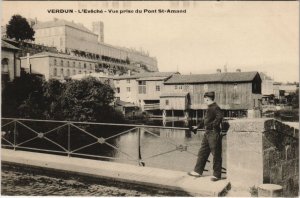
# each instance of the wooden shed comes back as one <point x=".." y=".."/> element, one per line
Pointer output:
<point x="233" y="90"/>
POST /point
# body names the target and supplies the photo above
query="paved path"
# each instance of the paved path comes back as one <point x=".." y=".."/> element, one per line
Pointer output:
<point x="172" y="180"/>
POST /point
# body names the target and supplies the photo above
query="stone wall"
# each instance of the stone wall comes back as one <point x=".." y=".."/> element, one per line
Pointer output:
<point x="263" y="151"/>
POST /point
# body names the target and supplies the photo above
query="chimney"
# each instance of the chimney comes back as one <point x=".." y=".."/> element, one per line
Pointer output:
<point x="219" y="70"/>
<point x="238" y="70"/>
<point x="35" y="20"/>
<point x="28" y="65"/>
<point x="129" y="73"/>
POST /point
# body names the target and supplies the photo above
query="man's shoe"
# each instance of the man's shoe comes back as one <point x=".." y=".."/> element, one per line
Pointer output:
<point x="194" y="174"/>
<point x="215" y="179"/>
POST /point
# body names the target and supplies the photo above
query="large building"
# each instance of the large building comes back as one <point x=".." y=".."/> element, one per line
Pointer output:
<point x="142" y="89"/>
<point x="74" y="38"/>
<point x="57" y="66"/>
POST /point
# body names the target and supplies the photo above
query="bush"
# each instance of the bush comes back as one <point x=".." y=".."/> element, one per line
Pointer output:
<point x="87" y="100"/>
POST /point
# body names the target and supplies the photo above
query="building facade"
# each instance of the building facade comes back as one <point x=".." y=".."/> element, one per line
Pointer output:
<point x="57" y="66"/>
<point x="142" y="89"/>
<point x="70" y="37"/>
<point x="235" y="92"/>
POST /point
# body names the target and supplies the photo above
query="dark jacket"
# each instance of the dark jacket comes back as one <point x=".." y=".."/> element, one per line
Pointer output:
<point x="213" y="118"/>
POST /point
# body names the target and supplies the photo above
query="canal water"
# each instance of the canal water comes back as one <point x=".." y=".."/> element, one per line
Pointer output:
<point x="160" y="151"/>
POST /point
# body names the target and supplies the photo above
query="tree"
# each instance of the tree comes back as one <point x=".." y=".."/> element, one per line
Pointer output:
<point x="16" y="93"/>
<point x="88" y="100"/>
<point x="19" y="29"/>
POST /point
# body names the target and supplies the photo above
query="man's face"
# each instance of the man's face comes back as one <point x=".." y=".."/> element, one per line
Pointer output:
<point x="207" y="100"/>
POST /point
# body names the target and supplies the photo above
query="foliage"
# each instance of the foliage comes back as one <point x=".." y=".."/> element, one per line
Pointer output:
<point x="287" y="115"/>
<point x="21" y="93"/>
<point x="86" y="100"/>
<point x="19" y="28"/>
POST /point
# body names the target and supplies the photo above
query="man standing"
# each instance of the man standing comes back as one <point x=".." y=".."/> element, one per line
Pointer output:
<point x="212" y="140"/>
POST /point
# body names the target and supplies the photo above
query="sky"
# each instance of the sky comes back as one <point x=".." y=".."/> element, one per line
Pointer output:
<point x="251" y="36"/>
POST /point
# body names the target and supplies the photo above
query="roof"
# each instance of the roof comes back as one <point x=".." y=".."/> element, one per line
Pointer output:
<point x="59" y="55"/>
<point x="210" y="78"/>
<point x="182" y="94"/>
<point x="153" y="78"/>
<point x="61" y="22"/>
<point x="8" y="46"/>
<point x="146" y="75"/>
<point x="264" y="76"/>
<point x="125" y="104"/>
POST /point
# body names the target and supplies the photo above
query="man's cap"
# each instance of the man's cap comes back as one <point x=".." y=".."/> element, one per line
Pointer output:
<point x="210" y="94"/>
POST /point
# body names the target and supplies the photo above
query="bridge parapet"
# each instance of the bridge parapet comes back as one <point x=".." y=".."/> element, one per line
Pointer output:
<point x="263" y="151"/>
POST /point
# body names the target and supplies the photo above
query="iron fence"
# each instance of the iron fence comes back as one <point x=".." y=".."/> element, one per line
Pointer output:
<point x="80" y="138"/>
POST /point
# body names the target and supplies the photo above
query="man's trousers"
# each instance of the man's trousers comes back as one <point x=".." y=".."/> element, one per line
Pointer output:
<point x="211" y="143"/>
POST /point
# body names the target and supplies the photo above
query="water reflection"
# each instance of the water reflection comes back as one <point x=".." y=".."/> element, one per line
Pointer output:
<point x="158" y="147"/>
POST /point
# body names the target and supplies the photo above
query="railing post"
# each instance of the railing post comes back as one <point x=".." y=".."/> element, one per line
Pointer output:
<point x="69" y="139"/>
<point x="141" y="163"/>
<point x="15" y="133"/>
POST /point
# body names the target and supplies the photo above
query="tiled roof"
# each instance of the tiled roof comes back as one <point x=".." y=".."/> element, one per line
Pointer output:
<point x="210" y="78"/>
<point x="146" y="75"/>
<point x="7" y="45"/>
<point x="61" y="22"/>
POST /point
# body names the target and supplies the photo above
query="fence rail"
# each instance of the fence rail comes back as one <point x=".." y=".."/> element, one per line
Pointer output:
<point x="68" y="138"/>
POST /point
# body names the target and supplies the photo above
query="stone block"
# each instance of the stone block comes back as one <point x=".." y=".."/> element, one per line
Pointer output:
<point x="296" y="133"/>
<point x="270" y="190"/>
<point x="269" y="125"/>
<point x="288" y="170"/>
<point x="297" y="167"/>
<point x="290" y="152"/>
<point x="247" y="125"/>
<point x="288" y="130"/>
<point x="266" y="167"/>
<point x="267" y="142"/>
<point x="276" y="174"/>
<point x="275" y="157"/>
<point x="278" y="125"/>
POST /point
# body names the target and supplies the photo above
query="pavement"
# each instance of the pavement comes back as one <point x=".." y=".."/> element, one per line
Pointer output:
<point x="146" y="176"/>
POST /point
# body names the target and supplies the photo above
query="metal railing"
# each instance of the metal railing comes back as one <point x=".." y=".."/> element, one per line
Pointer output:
<point x="24" y="134"/>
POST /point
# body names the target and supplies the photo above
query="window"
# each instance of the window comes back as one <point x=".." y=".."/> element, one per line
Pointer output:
<point x="62" y="63"/>
<point x="55" y="62"/>
<point x="90" y="66"/>
<point x="79" y="72"/>
<point x="176" y="87"/>
<point x="74" y="64"/>
<point x="4" y="65"/>
<point x="142" y="87"/>
<point x="79" y="65"/>
<point x="84" y="65"/>
<point x="74" y="71"/>
<point x="167" y="102"/>
<point x="118" y="89"/>
<point x="84" y="72"/>
<point x="68" y="64"/>
<point x="128" y="81"/>
<point x="62" y="72"/>
<point x="157" y="88"/>
<point x="55" y="72"/>
<point x="68" y="72"/>
<point x="128" y="89"/>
